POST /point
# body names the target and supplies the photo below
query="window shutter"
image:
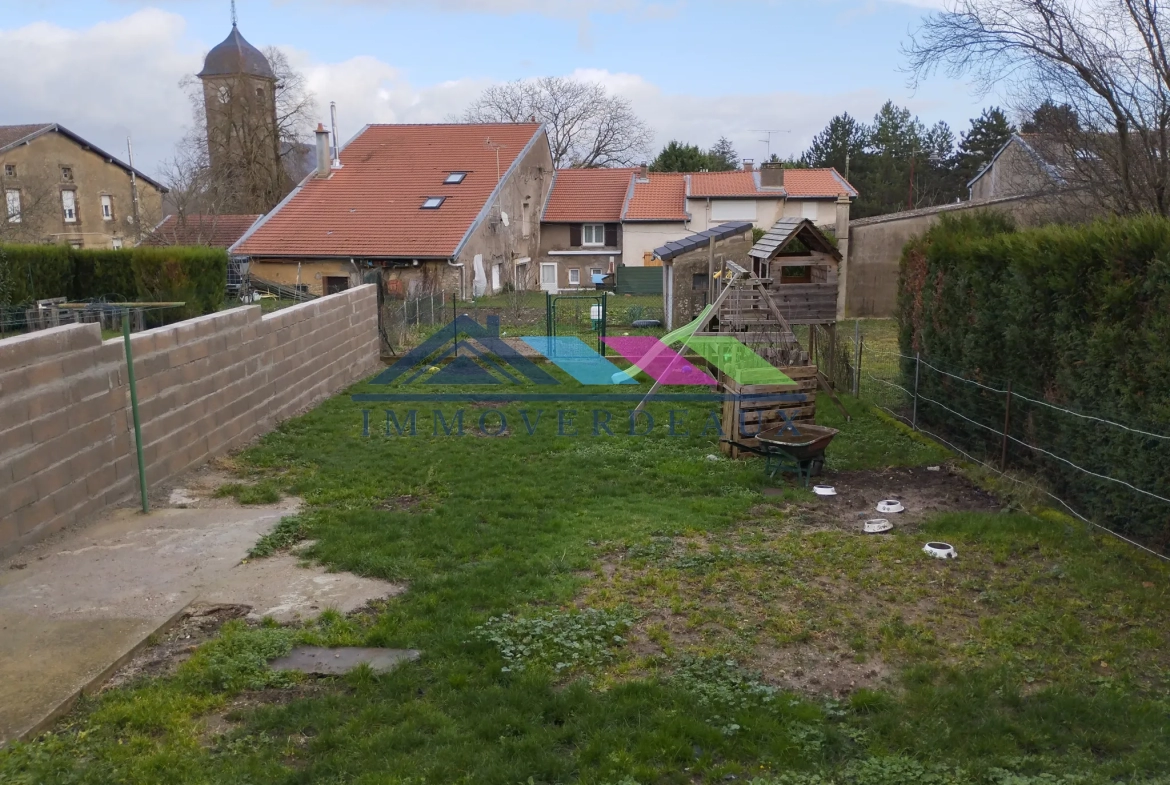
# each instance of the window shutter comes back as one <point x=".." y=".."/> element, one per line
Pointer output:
<point x="611" y="235"/>
<point x="575" y="235"/>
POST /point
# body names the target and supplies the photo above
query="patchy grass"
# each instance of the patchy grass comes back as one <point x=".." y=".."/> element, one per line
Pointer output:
<point x="1040" y="654"/>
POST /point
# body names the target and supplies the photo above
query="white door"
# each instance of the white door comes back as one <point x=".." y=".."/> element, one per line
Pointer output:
<point x="548" y="277"/>
<point x="495" y="278"/>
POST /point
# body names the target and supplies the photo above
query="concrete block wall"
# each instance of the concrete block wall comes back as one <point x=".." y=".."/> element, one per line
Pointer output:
<point x="205" y="386"/>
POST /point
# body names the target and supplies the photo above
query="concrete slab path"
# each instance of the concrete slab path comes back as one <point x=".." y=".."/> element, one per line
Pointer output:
<point x="74" y="609"/>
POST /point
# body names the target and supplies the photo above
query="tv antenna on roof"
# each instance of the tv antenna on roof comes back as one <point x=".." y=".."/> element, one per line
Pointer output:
<point x="768" y="140"/>
<point x="489" y="144"/>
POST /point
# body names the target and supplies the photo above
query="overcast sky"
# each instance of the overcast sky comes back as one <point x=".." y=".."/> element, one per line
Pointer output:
<point x="694" y="69"/>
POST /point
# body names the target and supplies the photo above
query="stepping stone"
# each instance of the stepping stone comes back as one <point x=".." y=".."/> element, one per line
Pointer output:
<point x="335" y="662"/>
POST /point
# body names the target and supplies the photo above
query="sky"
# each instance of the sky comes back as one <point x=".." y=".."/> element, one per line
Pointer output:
<point x="695" y="70"/>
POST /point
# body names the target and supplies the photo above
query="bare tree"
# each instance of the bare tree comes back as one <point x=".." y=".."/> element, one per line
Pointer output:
<point x="247" y="148"/>
<point x="38" y="205"/>
<point x="1105" y="59"/>
<point x="587" y="126"/>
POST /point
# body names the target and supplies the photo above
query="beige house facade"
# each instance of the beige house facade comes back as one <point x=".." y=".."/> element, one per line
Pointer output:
<point x="59" y="188"/>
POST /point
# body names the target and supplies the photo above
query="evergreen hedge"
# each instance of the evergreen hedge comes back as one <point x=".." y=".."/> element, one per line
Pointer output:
<point x="1075" y="316"/>
<point x="194" y="275"/>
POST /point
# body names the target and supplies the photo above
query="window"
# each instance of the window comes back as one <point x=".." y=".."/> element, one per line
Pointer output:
<point x="10" y="170"/>
<point x="700" y="282"/>
<point x="455" y="178"/>
<point x="12" y="203"/>
<point x="574" y="277"/>
<point x="593" y="234"/>
<point x="225" y="94"/>
<point x="116" y="243"/>
<point x="69" y="206"/>
<point x="107" y="208"/>
<point x="67" y="173"/>
<point x="259" y="92"/>
<point x="433" y="202"/>
<point x="595" y="271"/>
<point x="808" y="210"/>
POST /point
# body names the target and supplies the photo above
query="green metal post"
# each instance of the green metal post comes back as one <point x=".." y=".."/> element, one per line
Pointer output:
<point x="134" y="408"/>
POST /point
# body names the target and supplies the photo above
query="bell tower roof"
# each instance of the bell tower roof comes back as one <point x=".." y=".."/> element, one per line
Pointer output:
<point x="234" y="56"/>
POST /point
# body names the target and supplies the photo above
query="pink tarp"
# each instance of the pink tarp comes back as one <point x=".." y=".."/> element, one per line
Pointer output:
<point x="659" y="361"/>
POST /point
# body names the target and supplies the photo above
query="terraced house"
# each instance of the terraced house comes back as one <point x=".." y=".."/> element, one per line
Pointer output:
<point x="597" y="219"/>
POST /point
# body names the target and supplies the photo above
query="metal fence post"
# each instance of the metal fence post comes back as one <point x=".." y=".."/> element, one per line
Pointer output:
<point x="860" y="354"/>
<point x="1007" y="418"/>
<point x="856" y="358"/>
<point x="134" y="409"/>
<point x="917" y="369"/>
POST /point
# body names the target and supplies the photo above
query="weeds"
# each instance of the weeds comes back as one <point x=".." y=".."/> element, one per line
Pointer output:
<point x="561" y="640"/>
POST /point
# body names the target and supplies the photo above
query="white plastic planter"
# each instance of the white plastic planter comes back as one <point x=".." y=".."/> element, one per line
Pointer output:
<point x="940" y="550"/>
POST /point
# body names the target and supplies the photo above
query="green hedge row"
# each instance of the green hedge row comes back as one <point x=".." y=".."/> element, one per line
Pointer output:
<point x="196" y="276"/>
<point x="1075" y="316"/>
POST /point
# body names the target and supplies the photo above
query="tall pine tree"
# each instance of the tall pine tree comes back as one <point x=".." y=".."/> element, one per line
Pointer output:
<point x="989" y="132"/>
<point x="841" y="145"/>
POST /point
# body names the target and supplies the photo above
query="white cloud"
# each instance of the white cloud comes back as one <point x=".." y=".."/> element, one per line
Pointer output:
<point x="122" y="77"/>
<point x="103" y="82"/>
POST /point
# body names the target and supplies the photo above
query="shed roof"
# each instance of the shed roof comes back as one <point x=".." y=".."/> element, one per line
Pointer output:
<point x="701" y="239"/>
<point x="214" y="231"/>
<point x="784" y="231"/>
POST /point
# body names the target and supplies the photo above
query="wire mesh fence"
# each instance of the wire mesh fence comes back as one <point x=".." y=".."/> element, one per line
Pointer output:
<point x="1105" y="472"/>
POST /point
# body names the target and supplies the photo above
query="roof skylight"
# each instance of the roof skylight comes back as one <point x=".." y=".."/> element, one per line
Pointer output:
<point x="433" y="202"/>
<point x="455" y="178"/>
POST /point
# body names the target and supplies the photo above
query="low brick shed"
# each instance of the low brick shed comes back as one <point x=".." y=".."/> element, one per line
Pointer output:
<point x="205" y="386"/>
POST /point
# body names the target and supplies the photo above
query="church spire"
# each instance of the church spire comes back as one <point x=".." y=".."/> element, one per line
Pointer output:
<point x="234" y="13"/>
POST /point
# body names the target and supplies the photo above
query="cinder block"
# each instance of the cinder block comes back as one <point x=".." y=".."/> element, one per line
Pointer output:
<point x="48" y="401"/>
<point x="100" y="482"/>
<point x="34" y="516"/>
<point x="18" y="495"/>
<point x="9" y="534"/>
<point x="50" y="426"/>
<point x="69" y="497"/>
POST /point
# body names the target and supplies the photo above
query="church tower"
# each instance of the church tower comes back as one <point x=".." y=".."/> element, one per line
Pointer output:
<point x="243" y="140"/>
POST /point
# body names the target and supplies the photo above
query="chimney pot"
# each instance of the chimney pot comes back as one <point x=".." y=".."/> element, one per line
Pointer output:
<point x="749" y="165"/>
<point x="323" y="161"/>
<point x="644" y="172"/>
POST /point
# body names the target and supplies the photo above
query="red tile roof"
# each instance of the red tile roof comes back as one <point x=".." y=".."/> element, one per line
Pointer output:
<point x="372" y="206"/>
<point x="215" y="231"/>
<point x="705" y="184"/>
<point x="662" y="198"/>
<point x="588" y="195"/>
<point x="812" y="183"/>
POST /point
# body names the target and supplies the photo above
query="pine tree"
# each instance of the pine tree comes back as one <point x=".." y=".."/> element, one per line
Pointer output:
<point x="989" y="132"/>
<point x="1052" y="118"/>
<point x="722" y="157"/>
<point x="841" y="145"/>
<point x="680" y="157"/>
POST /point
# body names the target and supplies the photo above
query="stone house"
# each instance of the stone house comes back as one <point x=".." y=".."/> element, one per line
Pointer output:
<point x="59" y="188"/>
<point x="450" y="207"/>
<point x="1026" y="164"/>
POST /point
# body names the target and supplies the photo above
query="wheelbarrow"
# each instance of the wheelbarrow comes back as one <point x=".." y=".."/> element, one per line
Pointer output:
<point x="792" y="449"/>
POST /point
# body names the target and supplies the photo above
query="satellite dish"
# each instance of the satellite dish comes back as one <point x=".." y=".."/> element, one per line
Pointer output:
<point x="504" y="218"/>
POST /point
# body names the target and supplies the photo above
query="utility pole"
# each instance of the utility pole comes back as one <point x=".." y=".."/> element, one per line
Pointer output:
<point x="134" y="180"/>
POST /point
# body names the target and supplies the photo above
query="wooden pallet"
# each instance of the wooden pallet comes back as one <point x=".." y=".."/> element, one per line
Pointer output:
<point x="752" y="416"/>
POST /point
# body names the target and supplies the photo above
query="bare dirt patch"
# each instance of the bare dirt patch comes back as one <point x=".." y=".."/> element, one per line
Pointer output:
<point x="924" y="494"/>
<point x="798" y="593"/>
<point x="173" y="646"/>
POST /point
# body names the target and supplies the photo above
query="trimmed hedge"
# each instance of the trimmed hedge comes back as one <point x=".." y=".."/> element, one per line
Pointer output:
<point x="1075" y="316"/>
<point x="195" y="275"/>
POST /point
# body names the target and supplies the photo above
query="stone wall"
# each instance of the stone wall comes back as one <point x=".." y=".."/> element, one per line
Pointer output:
<point x="875" y="244"/>
<point x="205" y="386"/>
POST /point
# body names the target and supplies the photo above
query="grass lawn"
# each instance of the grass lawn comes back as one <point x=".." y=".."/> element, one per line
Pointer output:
<point x="623" y="609"/>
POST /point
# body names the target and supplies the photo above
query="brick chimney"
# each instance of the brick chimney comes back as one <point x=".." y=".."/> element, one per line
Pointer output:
<point x="772" y="175"/>
<point x="644" y="173"/>
<point x="323" y="162"/>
